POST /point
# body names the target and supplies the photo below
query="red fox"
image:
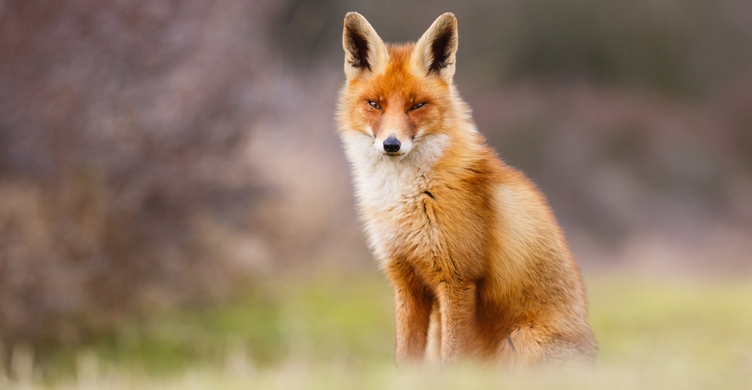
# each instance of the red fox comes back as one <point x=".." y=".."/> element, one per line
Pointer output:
<point x="479" y="266"/>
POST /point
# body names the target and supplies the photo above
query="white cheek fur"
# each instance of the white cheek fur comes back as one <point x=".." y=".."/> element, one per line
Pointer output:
<point x="382" y="180"/>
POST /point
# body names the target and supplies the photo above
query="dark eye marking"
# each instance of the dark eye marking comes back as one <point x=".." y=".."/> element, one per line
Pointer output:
<point x="374" y="104"/>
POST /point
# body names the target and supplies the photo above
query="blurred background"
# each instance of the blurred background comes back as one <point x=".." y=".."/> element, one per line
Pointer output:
<point x="176" y="162"/>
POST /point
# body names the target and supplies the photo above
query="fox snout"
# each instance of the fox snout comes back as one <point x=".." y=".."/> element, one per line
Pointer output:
<point x="393" y="133"/>
<point x="391" y="144"/>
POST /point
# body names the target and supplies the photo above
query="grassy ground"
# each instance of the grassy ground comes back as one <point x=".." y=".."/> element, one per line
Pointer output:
<point x="334" y="332"/>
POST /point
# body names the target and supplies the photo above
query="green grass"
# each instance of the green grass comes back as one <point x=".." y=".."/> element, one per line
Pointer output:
<point x="337" y="332"/>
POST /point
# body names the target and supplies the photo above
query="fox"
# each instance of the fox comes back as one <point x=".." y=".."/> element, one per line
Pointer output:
<point x="479" y="266"/>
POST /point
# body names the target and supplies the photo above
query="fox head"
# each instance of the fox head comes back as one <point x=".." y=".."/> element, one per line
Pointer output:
<point x="398" y="96"/>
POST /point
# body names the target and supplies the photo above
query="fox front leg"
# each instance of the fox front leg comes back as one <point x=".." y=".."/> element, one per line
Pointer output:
<point x="457" y="308"/>
<point x="412" y="303"/>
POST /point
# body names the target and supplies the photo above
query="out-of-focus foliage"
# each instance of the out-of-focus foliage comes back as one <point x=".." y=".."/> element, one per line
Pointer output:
<point x="123" y="179"/>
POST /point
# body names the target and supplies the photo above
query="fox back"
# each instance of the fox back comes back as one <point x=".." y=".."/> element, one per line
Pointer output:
<point x="479" y="266"/>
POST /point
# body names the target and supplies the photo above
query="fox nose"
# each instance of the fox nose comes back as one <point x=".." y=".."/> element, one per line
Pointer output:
<point x="391" y="145"/>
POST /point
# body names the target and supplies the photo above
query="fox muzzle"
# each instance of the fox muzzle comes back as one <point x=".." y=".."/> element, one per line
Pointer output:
<point x="391" y="144"/>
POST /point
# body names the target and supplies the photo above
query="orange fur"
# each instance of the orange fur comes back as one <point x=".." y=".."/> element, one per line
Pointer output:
<point x="479" y="265"/>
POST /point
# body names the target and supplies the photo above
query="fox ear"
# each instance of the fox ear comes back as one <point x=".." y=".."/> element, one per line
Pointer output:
<point x="365" y="52"/>
<point x="435" y="52"/>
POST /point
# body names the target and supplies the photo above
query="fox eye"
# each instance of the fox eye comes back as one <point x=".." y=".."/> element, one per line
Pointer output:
<point x="374" y="104"/>
<point x="417" y="106"/>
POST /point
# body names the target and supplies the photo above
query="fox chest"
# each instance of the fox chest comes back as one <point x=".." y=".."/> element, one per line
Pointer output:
<point x="405" y="229"/>
<point x="395" y="205"/>
<point x="428" y="229"/>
